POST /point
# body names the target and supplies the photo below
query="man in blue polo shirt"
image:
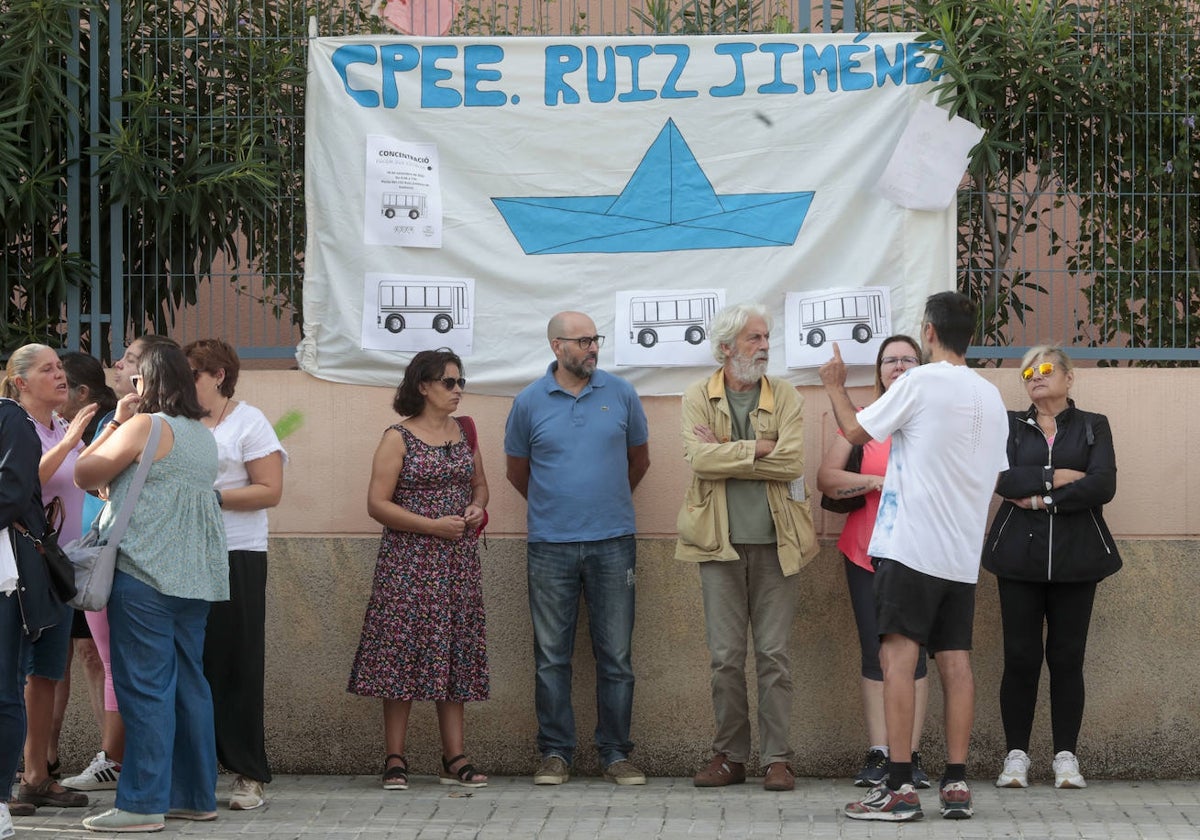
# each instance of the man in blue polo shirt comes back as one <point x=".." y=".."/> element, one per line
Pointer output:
<point x="576" y="443"/>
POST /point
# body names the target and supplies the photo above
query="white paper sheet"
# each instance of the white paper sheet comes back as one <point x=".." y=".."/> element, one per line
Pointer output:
<point x="412" y="312"/>
<point x="8" y="564"/>
<point x="665" y="327"/>
<point x="858" y="319"/>
<point x="928" y="163"/>
<point x="403" y="194"/>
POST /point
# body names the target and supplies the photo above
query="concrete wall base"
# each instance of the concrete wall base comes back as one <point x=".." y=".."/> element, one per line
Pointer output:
<point x="1141" y="719"/>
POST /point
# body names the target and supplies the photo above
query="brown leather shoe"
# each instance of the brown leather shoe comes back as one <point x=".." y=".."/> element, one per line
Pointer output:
<point x="779" y="777"/>
<point x="45" y="794"/>
<point x="17" y="808"/>
<point x="720" y="771"/>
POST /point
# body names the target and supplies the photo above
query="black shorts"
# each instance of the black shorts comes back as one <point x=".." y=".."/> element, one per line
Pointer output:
<point x="79" y="626"/>
<point x="932" y="611"/>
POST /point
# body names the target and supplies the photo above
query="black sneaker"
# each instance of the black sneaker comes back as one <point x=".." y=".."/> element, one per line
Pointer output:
<point x="874" y="770"/>
<point x="920" y="777"/>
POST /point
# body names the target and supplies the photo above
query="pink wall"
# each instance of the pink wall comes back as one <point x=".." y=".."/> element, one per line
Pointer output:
<point x="1153" y="413"/>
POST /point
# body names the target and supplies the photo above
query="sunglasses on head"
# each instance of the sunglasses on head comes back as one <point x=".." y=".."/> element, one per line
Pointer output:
<point x="1045" y="369"/>
<point x="449" y="382"/>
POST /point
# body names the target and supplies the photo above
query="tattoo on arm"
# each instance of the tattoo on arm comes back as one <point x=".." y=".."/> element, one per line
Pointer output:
<point x="847" y="492"/>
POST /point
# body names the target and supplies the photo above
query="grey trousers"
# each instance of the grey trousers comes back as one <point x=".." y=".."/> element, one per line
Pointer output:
<point x="740" y="596"/>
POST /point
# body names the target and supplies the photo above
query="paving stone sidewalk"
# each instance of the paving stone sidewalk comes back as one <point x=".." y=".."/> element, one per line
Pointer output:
<point x="353" y="807"/>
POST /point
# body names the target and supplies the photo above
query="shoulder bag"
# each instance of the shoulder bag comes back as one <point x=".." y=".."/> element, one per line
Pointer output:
<point x="472" y="436"/>
<point x="95" y="561"/>
<point x="853" y="503"/>
<point x="58" y="565"/>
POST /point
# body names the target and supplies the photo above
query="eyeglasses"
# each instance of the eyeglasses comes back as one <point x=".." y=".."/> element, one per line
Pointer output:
<point x="585" y="341"/>
<point x="900" y="360"/>
<point x="448" y="382"/>
<point x="1045" y="369"/>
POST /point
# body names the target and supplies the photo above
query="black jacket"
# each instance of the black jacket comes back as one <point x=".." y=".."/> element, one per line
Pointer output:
<point x="1070" y="541"/>
<point x="21" y="499"/>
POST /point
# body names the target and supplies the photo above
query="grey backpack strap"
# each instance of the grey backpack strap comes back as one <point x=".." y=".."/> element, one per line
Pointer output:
<point x="139" y="479"/>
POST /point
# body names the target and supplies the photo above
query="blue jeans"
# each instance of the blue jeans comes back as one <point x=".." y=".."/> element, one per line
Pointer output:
<point x="47" y="657"/>
<point x="157" y="661"/>
<point x="13" y="650"/>
<point x="603" y="571"/>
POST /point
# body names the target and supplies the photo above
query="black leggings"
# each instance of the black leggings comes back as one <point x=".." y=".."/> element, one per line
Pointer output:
<point x="1066" y="610"/>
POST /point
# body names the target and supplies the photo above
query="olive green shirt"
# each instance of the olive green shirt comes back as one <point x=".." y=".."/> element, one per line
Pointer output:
<point x="749" y="511"/>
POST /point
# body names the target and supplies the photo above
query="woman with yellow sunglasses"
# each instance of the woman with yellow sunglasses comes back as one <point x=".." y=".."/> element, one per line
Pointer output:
<point x="1048" y="547"/>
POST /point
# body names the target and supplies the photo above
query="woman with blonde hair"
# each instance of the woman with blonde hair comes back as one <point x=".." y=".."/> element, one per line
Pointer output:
<point x="26" y="604"/>
<point x="1048" y="548"/>
<point x="36" y="380"/>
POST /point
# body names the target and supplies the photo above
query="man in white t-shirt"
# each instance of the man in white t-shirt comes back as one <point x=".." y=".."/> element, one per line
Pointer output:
<point x="948" y="427"/>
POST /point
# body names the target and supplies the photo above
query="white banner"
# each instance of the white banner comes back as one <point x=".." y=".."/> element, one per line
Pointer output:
<point x="460" y="191"/>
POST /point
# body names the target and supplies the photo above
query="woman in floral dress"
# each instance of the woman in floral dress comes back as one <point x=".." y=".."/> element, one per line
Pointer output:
<point x="423" y="634"/>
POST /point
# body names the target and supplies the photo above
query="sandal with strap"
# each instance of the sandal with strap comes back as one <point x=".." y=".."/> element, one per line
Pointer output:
<point x="396" y="777"/>
<point x="466" y="775"/>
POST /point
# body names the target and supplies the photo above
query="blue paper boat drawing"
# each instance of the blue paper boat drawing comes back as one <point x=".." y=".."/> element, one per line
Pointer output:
<point x="667" y="205"/>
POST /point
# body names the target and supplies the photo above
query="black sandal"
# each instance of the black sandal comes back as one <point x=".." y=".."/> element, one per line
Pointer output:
<point x="464" y="775"/>
<point x="396" y="777"/>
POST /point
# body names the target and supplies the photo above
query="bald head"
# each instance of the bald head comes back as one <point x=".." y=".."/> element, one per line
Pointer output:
<point x="569" y="325"/>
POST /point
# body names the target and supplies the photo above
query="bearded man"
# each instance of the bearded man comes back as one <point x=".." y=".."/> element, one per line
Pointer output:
<point x="577" y="445"/>
<point x="746" y="521"/>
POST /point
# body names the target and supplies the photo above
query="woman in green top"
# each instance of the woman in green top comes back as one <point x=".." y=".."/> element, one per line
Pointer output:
<point x="171" y="564"/>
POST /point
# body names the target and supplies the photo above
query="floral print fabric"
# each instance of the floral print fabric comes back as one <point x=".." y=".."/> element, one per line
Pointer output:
<point x="423" y="634"/>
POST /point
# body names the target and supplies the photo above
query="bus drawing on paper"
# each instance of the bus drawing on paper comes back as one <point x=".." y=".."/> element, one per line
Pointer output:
<point x="843" y="315"/>
<point x="670" y="317"/>
<point x="411" y="203"/>
<point x="441" y="305"/>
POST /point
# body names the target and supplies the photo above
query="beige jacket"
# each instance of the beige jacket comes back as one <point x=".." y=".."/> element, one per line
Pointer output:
<point x="703" y="521"/>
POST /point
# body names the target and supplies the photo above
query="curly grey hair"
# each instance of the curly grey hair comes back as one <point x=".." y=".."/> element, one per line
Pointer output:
<point x="729" y="322"/>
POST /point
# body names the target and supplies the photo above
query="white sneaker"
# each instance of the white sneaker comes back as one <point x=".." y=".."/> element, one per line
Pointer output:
<point x="6" y="826"/>
<point x="1066" y="771"/>
<point x="115" y="820"/>
<point x="246" y="795"/>
<point x="1016" y="771"/>
<point x="102" y="774"/>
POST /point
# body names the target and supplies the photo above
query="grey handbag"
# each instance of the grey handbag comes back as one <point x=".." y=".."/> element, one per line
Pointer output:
<point x="95" y="561"/>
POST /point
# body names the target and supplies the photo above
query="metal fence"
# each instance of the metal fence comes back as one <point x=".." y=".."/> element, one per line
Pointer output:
<point x="1121" y="294"/>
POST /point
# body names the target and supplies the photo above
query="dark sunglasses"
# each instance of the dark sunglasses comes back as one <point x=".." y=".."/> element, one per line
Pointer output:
<point x="449" y="382"/>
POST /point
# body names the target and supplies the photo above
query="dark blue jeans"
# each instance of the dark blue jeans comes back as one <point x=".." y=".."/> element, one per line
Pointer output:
<point x="13" y="649"/>
<point x="157" y="651"/>
<point x="603" y="572"/>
